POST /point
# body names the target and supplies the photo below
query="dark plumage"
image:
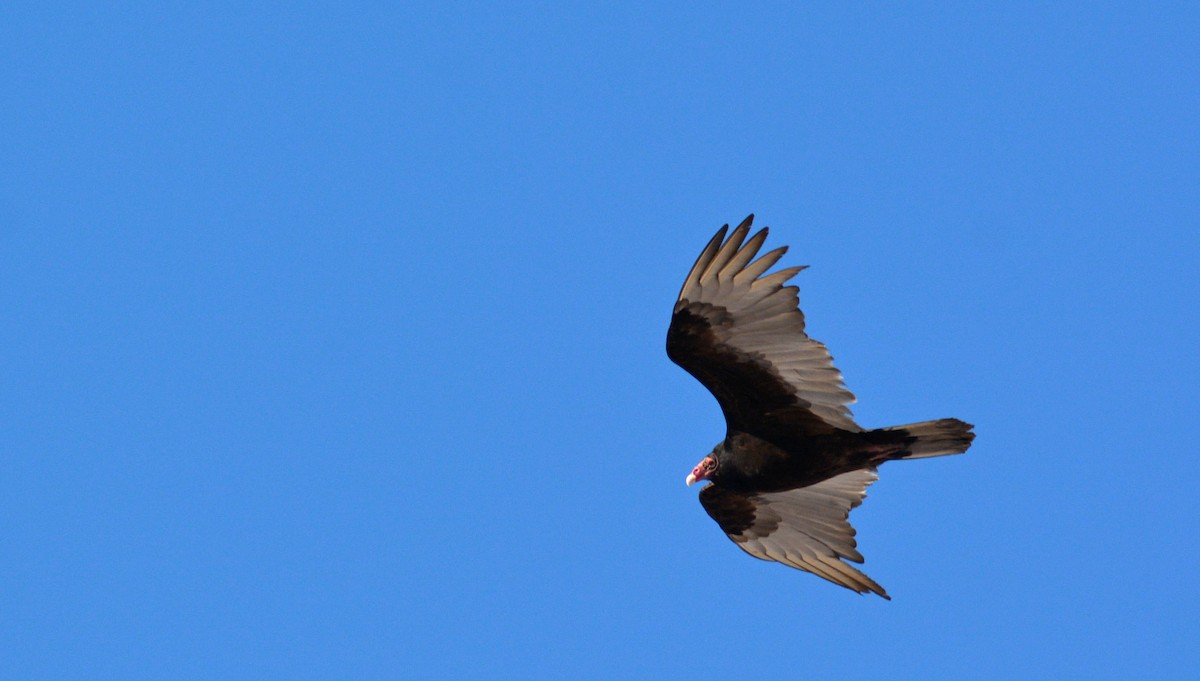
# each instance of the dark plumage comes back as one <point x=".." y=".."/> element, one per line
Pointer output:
<point x="793" y="462"/>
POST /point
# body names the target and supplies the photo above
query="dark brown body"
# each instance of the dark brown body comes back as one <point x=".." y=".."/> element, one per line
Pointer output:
<point x="749" y="464"/>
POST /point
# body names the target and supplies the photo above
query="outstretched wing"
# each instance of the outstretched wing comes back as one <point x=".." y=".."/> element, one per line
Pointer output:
<point x="806" y="528"/>
<point x="741" y="334"/>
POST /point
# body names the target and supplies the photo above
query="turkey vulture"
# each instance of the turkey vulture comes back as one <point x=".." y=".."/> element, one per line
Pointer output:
<point x="793" y="462"/>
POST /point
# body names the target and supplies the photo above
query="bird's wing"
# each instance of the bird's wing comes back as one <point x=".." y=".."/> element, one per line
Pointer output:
<point x="741" y="334"/>
<point x="805" y="528"/>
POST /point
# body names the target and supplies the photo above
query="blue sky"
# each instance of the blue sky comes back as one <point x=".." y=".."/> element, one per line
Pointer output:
<point x="333" y="341"/>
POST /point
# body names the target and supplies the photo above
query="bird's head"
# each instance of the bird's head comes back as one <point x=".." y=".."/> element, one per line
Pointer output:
<point x="705" y="470"/>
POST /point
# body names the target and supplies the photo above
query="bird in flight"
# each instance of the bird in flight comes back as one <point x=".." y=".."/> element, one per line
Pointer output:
<point x="793" y="462"/>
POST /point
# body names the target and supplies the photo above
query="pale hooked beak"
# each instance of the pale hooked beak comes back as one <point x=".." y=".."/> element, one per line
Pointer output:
<point x="703" y="470"/>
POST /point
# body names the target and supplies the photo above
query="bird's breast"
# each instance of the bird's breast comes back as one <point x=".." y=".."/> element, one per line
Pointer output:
<point x="752" y="464"/>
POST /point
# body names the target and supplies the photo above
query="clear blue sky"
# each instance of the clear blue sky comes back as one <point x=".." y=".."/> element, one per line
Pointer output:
<point x="333" y="336"/>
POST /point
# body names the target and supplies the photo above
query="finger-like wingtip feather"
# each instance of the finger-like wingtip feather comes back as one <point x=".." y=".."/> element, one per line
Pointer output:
<point x="744" y="255"/>
<point x="727" y="252"/>
<point x="693" y="278"/>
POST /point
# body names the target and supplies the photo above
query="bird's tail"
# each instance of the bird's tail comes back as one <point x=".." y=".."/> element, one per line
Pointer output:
<point x="933" y="438"/>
